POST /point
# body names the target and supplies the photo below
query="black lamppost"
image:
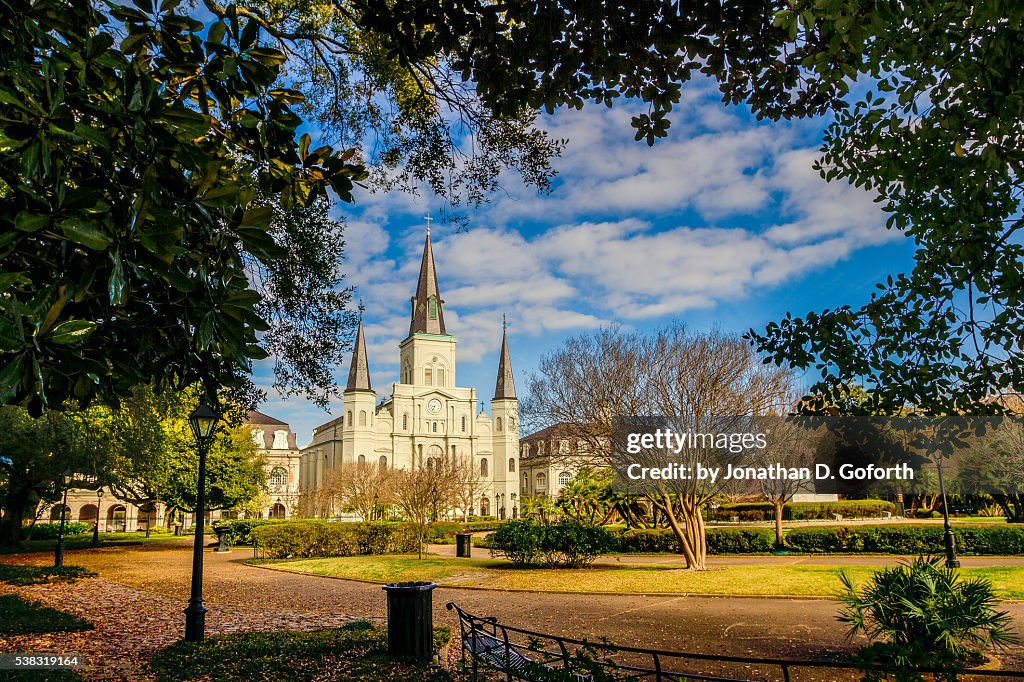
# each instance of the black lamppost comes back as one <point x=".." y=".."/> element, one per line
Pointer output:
<point x="202" y="420"/>
<point x="948" y="539"/>
<point x="96" y="528"/>
<point x="58" y="554"/>
<point x="376" y="509"/>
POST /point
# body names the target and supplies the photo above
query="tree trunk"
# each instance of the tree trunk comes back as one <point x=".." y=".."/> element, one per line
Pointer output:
<point x="779" y="506"/>
<point x="14" y="513"/>
<point x="690" y="532"/>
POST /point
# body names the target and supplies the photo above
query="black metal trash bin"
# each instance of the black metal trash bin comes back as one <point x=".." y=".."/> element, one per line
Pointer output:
<point x="411" y="620"/>
<point x="222" y="540"/>
<point x="463" y="545"/>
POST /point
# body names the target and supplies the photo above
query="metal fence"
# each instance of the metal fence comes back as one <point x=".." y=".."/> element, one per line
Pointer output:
<point x="492" y="650"/>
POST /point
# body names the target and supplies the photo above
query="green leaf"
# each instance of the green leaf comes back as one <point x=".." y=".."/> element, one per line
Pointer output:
<point x="28" y="222"/>
<point x="71" y="332"/>
<point x="85" y="233"/>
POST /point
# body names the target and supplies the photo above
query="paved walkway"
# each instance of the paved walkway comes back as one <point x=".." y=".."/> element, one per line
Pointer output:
<point x="255" y="598"/>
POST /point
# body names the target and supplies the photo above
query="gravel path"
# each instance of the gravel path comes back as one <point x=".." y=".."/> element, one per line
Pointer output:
<point x="141" y="591"/>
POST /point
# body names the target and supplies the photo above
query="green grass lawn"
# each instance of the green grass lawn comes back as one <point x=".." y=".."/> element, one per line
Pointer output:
<point x="355" y="653"/>
<point x="37" y="575"/>
<point x="804" y="580"/>
<point x="22" y="617"/>
<point x="84" y="541"/>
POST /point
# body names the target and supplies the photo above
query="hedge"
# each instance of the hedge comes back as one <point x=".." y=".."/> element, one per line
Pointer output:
<point x="983" y="539"/>
<point x="805" y="511"/>
<point x="720" y="540"/>
<point x="313" y="539"/>
<point x="565" y="544"/>
<point x="240" y="531"/>
<point x="49" y="531"/>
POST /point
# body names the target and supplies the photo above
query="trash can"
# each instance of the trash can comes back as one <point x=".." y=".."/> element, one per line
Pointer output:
<point x="463" y="545"/>
<point x="222" y="532"/>
<point x="411" y="620"/>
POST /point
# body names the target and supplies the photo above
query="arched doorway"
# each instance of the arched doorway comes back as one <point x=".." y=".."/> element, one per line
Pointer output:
<point x="116" y="518"/>
<point x="55" y="513"/>
<point x="277" y="511"/>
<point x="485" y="506"/>
<point x="147" y="516"/>
<point x="88" y="514"/>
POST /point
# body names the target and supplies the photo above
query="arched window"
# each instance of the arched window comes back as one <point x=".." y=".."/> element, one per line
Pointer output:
<point x="484" y="469"/>
<point x="564" y="479"/>
<point x="497" y="423"/>
<point x="526" y="481"/>
<point x="362" y="417"/>
<point x="405" y="421"/>
<point x="440" y="376"/>
<point x="362" y="460"/>
<point x="542" y="482"/>
<point x="349" y="417"/>
<point x="485" y="506"/>
<point x="511" y="465"/>
<point x="463" y="423"/>
<point x="511" y="423"/>
<point x="435" y="427"/>
<point x="428" y="376"/>
<point x="382" y="463"/>
<point x="88" y="513"/>
<point x="277" y="511"/>
<point x="278" y="478"/>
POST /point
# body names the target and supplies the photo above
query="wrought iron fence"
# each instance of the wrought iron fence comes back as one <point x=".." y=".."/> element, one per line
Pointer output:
<point x="492" y="650"/>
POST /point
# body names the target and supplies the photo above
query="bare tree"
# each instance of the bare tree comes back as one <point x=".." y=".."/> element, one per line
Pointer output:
<point x="789" y="445"/>
<point x="704" y="381"/>
<point x="468" y="485"/>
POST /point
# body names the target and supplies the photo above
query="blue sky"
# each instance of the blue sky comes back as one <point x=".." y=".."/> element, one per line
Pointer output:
<point x="724" y="223"/>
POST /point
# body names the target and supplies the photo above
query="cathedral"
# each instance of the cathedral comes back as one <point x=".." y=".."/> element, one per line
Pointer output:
<point x="427" y="416"/>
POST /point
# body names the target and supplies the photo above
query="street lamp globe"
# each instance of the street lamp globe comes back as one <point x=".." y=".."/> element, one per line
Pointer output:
<point x="202" y="420"/>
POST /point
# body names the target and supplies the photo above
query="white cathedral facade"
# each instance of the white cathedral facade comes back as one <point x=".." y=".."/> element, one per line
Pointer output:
<point x="427" y="416"/>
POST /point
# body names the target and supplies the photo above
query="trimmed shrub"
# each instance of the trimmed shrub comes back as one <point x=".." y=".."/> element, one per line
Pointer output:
<point x="979" y="539"/>
<point x="720" y="540"/>
<point x="316" y="539"/>
<point x="240" y="530"/>
<point x="49" y="531"/>
<point x="567" y="544"/>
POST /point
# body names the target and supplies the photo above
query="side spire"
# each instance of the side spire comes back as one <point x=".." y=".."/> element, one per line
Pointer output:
<point x="359" y="371"/>
<point x="427" y="306"/>
<point x="505" y="386"/>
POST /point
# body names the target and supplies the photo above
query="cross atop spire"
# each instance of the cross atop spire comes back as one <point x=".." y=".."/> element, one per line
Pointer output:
<point x="427" y="306"/>
<point x="428" y="219"/>
<point x="505" y="386"/>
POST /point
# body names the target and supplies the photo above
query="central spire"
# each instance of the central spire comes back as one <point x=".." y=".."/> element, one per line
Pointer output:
<point x="505" y="386"/>
<point x="359" y="370"/>
<point x="427" y="306"/>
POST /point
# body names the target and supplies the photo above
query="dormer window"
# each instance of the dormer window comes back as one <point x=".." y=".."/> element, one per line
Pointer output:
<point x="432" y="308"/>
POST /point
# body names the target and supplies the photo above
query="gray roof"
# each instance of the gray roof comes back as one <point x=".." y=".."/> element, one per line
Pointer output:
<point x="505" y="386"/>
<point x="424" y="319"/>
<point x="359" y="371"/>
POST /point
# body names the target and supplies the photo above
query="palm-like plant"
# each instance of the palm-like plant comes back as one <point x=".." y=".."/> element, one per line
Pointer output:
<point x="921" y="615"/>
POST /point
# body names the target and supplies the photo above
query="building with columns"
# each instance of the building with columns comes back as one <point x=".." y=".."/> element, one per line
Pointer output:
<point x="428" y="415"/>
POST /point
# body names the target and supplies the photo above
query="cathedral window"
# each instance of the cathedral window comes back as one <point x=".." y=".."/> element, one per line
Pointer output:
<point x="362" y="460"/>
<point x="382" y="463"/>
<point x="463" y="423"/>
<point x="349" y="417"/>
<point x="428" y="376"/>
<point x="362" y="417"/>
<point x="511" y="465"/>
<point x="498" y="424"/>
<point x="405" y="421"/>
<point x="483" y="467"/>
<point x="435" y="427"/>
<point x="278" y="478"/>
<point x="440" y="376"/>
